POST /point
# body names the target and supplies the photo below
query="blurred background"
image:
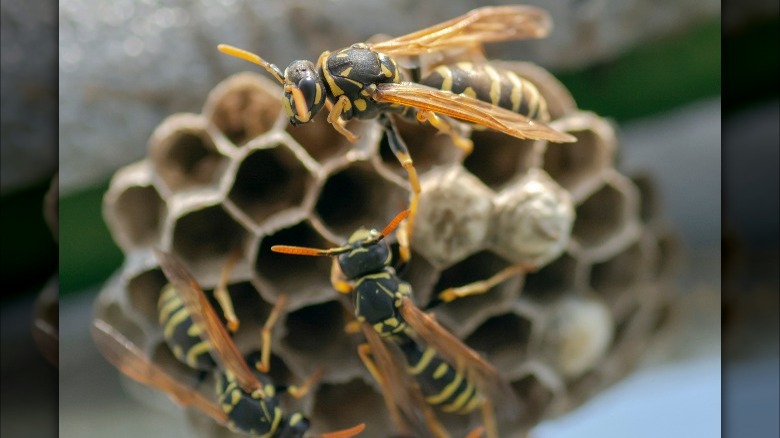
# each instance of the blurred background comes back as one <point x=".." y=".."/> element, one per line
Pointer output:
<point x="654" y="68"/>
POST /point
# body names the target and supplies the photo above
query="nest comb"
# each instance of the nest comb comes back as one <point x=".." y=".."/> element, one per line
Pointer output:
<point x="237" y="175"/>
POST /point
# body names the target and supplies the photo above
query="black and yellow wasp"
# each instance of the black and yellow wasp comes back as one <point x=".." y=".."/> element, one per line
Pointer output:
<point x="364" y="81"/>
<point x="448" y="374"/>
<point x="248" y="399"/>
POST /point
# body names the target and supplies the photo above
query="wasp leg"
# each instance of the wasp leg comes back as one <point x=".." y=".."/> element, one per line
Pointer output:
<point x="364" y="351"/>
<point x="334" y="118"/>
<point x="489" y="419"/>
<point x="476" y="432"/>
<point x="401" y="152"/>
<point x="265" y="353"/>
<point x="482" y="286"/>
<point x="300" y="391"/>
<point x="223" y="296"/>
<point x="338" y="280"/>
<point x="445" y="127"/>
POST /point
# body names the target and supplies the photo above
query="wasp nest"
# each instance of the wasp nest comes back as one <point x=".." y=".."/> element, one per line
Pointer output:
<point x="237" y="175"/>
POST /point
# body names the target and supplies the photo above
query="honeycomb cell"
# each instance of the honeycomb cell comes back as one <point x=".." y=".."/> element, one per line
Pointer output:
<point x="535" y="397"/>
<point x="269" y="180"/>
<point x="498" y="158"/>
<point x="578" y="335"/>
<point x="138" y="211"/>
<point x="365" y="405"/>
<point x="463" y="314"/>
<point x="355" y="196"/>
<point x="321" y="141"/>
<point x="578" y="166"/>
<point x="426" y="147"/>
<point x="620" y="273"/>
<point x="503" y="339"/>
<point x="203" y="238"/>
<point x="534" y="218"/>
<point x="184" y="154"/>
<point x="453" y="217"/>
<point x="552" y="281"/>
<point x="304" y="279"/>
<point x="113" y="314"/>
<point x="143" y="291"/>
<point x="649" y="203"/>
<point x="315" y="337"/>
<point x="244" y="106"/>
<point x="600" y="218"/>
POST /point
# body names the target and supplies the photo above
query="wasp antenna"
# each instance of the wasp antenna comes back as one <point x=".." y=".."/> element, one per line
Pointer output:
<point x="255" y="59"/>
<point x="345" y="433"/>
<point x="304" y="251"/>
<point x="394" y="223"/>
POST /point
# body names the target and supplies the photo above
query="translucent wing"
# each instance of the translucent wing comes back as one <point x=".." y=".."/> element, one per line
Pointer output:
<point x="482" y="25"/>
<point x="131" y="361"/>
<point x="398" y="388"/>
<point x="226" y="353"/>
<point x="469" y="109"/>
<point x="453" y="350"/>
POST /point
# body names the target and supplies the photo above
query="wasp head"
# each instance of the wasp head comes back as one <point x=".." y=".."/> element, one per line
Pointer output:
<point x="304" y="92"/>
<point x="368" y="253"/>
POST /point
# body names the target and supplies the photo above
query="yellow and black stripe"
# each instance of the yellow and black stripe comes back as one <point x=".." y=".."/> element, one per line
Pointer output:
<point x="181" y="334"/>
<point x="499" y="87"/>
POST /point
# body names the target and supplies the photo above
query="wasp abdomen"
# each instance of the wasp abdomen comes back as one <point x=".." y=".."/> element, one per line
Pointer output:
<point x="181" y="334"/>
<point x="499" y="87"/>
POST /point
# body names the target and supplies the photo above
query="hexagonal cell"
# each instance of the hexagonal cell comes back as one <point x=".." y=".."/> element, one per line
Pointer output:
<point x="302" y="278"/>
<point x="649" y="202"/>
<point x="244" y="106"/>
<point x="204" y="238"/>
<point x="365" y="405"/>
<point x="115" y="316"/>
<point x="578" y="336"/>
<point x="620" y="273"/>
<point x="463" y="314"/>
<point x="426" y="147"/>
<point x="577" y="166"/>
<point x="315" y="336"/>
<point x="268" y="181"/>
<point x="600" y="217"/>
<point x="503" y="339"/>
<point x="355" y="196"/>
<point x="497" y="158"/>
<point x="535" y="397"/>
<point x="184" y="154"/>
<point x="143" y="291"/>
<point x="137" y="212"/>
<point x="559" y="100"/>
<point x="321" y="140"/>
<point x="453" y="217"/>
<point x="534" y="218"/>
<point x="553" y="280"/>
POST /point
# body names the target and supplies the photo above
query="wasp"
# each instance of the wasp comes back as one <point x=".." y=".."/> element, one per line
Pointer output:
<point x="449" y="374"/>
<point x="248" y="399"/>
<point x="364" y="81"/>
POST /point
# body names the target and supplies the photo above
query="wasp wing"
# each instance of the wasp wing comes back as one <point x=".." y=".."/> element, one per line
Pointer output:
<point x="131" y="361"/>
<point x="469" y="109"/>
<point x="398" y="388"/>
<point x="453" y="350"/>
<point x="225" y="352"/>
<point x="482" y="25"/>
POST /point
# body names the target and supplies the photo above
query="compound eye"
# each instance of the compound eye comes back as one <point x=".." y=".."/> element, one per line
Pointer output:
<point x="308" y="87"/>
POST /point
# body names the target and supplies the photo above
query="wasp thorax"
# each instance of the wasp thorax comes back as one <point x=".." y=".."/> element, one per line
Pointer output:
<point x="303" y="91"/>
<point x="367" y="254"/>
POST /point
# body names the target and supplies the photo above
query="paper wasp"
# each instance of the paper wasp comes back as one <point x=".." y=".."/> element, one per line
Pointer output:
<point x="364" y="81"/>
<point x="448" y="374"/>
<point x="248" y="399"/>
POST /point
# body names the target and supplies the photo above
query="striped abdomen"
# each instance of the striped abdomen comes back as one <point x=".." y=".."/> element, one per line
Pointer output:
<point x="441" y="384"/>
<point x="496" y="86"/>
<point x="251" y="414"/>
<point x="181" y="335"/>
